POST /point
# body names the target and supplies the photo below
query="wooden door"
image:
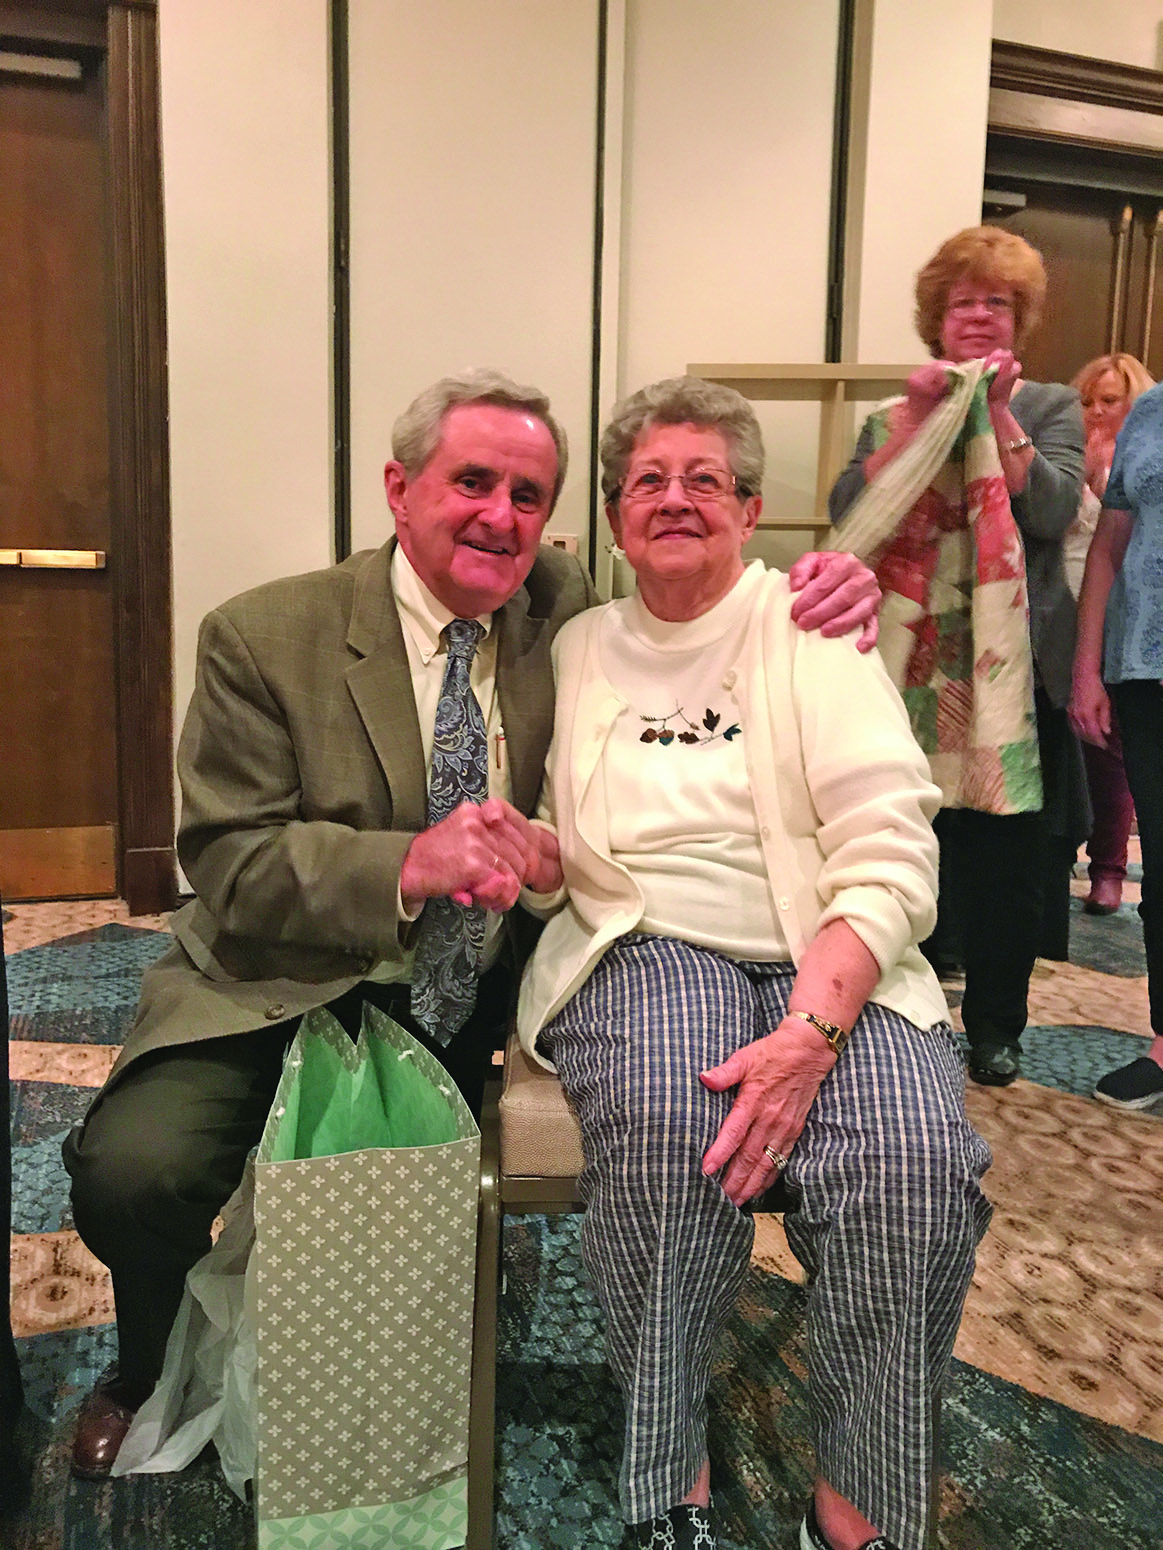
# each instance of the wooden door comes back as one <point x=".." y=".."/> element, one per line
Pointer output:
<point x="58" y="774"/>
<point x="1101" y="249"/>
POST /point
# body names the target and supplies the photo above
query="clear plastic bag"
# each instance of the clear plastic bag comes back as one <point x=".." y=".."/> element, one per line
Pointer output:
<point x="206" y="1392"/>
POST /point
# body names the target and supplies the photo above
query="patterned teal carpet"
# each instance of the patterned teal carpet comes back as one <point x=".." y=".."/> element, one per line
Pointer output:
<point x="1020" y="1472"/>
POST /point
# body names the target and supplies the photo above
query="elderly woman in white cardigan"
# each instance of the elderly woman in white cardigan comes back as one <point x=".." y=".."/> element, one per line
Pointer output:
<point x="731" y="992"/>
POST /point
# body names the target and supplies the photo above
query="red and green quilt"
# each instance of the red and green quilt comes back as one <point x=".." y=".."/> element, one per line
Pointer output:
<point x="935" y="525"/>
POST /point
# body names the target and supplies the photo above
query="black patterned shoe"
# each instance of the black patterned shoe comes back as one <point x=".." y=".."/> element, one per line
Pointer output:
<point x="995" y="1065"/>
<point x="812" y="1536"/>
<point x="682" y="1528"/>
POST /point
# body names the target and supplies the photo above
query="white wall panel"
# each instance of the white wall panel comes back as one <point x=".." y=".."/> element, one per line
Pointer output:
<point x="926" y="155"/>
<point x="727" y="148"/>
<point x="1130" y="32"/>
<point x="473" y="145"/>
<point x="245" y="116"/>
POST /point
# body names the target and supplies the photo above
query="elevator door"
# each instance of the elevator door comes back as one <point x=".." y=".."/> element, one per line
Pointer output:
<point x="1101" y="250"/>
<point x="58" y="773"/>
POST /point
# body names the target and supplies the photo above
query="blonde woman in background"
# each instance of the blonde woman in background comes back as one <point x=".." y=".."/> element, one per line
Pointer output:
<point x="1107" y="386"/>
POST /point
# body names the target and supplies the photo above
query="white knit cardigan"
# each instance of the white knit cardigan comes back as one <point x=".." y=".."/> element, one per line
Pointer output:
<point x="842" y="795"/>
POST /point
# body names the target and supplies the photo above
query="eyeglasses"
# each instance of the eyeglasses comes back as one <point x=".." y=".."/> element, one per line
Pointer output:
<point x="965" y="305"/>
<point x="701" y="484"/>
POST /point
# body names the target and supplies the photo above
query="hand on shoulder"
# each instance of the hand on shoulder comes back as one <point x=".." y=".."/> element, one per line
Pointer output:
<point x="837" y="593"/>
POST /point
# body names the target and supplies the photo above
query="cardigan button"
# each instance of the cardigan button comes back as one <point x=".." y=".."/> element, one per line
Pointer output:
<point x="275" y="1011"/>
<point x="364" y="964"/>
<point x="785" y="903"/>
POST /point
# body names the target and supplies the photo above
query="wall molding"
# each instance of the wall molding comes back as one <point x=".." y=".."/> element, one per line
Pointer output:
<point x="1044" y="72"/>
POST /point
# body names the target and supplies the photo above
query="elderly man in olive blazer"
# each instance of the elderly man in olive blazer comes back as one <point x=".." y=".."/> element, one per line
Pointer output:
<point x="304" y="766"/>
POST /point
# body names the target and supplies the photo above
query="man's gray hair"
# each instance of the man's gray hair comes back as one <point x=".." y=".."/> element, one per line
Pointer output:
<point x="681" y="401"/>
<point x="416" y="434"/>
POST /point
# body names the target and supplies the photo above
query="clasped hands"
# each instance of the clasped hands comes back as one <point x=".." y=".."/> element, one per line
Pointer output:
<point x="929" y="384"/>
<point x="480" y="854"/>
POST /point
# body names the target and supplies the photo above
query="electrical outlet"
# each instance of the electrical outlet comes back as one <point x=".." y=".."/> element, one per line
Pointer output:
<point x="566" y="541"/>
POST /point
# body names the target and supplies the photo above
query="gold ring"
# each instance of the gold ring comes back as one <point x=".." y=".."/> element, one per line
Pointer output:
<point x="777" y="1159"/>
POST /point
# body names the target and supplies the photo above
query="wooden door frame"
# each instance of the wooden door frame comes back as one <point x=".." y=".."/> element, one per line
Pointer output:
<point x="141" y="569"/>
<point x="139" y="423"/>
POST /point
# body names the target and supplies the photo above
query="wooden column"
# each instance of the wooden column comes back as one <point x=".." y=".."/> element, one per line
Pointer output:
<point x="141" y="462"/>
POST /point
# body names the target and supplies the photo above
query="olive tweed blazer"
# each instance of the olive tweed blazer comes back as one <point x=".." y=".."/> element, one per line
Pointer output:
<point x="303" y="784"/>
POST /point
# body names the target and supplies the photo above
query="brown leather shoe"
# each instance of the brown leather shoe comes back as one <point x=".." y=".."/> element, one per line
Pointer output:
<point x="102" y="1423"/>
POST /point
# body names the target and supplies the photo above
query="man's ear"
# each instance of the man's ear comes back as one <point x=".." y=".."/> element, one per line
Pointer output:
<point x="396" y="488"/>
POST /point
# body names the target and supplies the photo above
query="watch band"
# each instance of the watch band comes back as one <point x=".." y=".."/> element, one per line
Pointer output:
<point x="1019" y="445"/>
<point x="836" y="1036"/>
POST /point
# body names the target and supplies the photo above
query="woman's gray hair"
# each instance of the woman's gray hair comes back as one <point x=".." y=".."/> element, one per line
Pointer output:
<point x="683" y="401"/>
<point x="416" y="434"/>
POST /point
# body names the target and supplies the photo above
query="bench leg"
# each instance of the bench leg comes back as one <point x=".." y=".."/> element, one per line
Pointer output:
<point x="482" y="1403"/>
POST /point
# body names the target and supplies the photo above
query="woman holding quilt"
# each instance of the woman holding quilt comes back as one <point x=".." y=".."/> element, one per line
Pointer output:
<point x="959" y="494"/>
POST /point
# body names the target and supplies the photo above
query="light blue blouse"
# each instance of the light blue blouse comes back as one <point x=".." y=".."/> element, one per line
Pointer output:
<point x="1133" y="642"/>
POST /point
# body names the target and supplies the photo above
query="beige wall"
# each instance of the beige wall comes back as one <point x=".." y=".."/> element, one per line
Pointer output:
<point x="722" y="199"/>
<point x="246" y="173"/>
<point x="929" y="88"/>
<point x="1130" y="31"/>
<point x="472" y="158"/>
<point x="473" y="134"/>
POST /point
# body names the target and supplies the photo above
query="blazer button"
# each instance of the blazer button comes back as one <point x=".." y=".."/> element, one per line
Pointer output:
<point x="275" y="1012"/>
<point x="364" y="965"/>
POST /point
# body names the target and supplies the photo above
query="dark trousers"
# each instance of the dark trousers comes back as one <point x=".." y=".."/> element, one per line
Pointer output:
<point x="1005" y="889"/>
<point x="994" y="870"/>
<point x="1140" y="711"/>
<point x="164" y="1147"/>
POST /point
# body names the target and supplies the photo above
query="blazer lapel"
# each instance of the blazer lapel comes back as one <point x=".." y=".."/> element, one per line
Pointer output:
<point x="525" y="690"/>
<point x="381" y="686"/>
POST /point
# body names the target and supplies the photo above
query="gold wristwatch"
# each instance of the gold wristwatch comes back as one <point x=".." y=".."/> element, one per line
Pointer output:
<point x="836" y="1036"/>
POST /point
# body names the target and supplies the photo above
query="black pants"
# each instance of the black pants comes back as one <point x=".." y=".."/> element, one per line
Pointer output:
<point x="994" y="870"/>
<point x="164" y="1147"/>
<point x="1140" y="711"/>
<point x="1005" y="890"/>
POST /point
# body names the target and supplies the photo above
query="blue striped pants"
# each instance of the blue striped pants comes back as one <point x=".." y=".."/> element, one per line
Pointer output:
<point x="889" y="1213"/>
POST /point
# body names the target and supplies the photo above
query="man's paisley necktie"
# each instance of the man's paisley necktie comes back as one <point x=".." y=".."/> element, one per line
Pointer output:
<point x="450" y="936"/>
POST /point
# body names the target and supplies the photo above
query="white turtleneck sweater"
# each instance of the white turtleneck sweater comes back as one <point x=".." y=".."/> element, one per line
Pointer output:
<point x="684" y="823"/>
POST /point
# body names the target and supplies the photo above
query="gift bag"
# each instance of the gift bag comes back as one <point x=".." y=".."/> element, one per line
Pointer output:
<point x="365" y="1205"/>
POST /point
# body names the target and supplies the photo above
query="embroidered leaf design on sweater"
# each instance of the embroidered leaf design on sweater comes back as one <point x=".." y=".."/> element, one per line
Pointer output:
<point x="662" y="733"/>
